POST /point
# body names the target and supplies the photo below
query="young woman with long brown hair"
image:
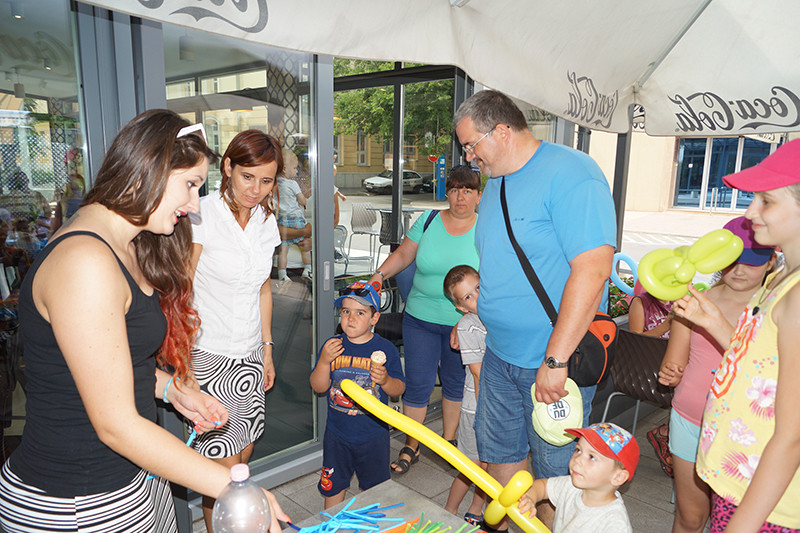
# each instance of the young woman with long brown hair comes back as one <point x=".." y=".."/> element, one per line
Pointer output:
<point x="90" y="438"/>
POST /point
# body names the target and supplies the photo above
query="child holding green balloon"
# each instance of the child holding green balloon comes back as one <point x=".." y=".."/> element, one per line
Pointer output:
<point x="749" y="450"/>
<point x="689" y="364"/>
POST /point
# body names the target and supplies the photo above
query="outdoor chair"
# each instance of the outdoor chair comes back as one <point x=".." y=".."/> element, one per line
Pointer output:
<point x="385" y="235"/>
<point x="634" y="371"/>
<point x="361" y="223"/>
<point x="339" y="239"/>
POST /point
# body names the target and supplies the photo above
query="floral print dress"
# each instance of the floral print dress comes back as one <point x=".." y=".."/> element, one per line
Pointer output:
<point x="739" y="417"/>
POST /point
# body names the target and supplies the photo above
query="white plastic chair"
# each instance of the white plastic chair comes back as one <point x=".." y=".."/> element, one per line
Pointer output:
<point x="339" y="239"/>
<point x="361" y="223"/>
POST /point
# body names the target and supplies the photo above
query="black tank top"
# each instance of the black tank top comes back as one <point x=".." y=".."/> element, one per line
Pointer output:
<point x="60" y="451"/>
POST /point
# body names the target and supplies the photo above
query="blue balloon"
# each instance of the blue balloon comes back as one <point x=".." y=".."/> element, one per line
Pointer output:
<point x="616" y="280"/>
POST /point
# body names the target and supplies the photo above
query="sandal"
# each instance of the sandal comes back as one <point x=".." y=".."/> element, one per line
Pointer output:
<point x="454" y="442"/>
<point x="405" y="464"/>
<point x="489" y="529"/>
<point x="659" y="440"/>
<point x="473" y="519"/>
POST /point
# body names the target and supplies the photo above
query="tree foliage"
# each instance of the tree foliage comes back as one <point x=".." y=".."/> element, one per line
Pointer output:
<point x="428" y="120"/>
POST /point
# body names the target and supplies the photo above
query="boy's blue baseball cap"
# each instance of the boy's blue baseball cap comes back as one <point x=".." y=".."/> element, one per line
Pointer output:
<point x="361" y="292"/>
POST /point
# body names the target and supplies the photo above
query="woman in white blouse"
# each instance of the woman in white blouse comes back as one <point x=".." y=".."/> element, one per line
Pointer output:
<point x="234" y="239"/>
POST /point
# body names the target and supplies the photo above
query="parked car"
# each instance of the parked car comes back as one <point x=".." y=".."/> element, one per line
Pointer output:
<point x="382" y="183"/>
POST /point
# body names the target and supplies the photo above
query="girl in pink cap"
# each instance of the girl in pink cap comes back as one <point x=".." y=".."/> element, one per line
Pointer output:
<point x="689" y="364"/>
<point x="749" y="450"/>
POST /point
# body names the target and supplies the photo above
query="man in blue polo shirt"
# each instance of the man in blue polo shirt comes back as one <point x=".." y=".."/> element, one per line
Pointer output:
<point x="562" y="215"/>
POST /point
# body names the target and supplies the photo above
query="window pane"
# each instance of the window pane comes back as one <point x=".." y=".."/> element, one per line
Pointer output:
<point x="723" y="162"/>
<point x="41" y="165"/>
<point x="691" y="156"/>
<point x="349" y="67"/>
<point x="754" y="152"/>
<point x="242" y="86"/>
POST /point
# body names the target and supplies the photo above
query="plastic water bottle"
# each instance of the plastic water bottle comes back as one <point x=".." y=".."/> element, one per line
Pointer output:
<point x="242" y="506"/>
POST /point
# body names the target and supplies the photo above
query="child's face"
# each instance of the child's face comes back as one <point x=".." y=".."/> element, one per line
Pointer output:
<point x="466" y="294"/>
<point x="357" y="320"/>
<point x="741" y="277"/>
<point x="589" y="469"/>
<point x="776" y="217"/>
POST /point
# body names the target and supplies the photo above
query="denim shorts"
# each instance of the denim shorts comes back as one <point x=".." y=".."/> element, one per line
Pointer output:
<point x="684" y="437"/>
<point x="503" y="423"/>
<point x="426" y="349"/>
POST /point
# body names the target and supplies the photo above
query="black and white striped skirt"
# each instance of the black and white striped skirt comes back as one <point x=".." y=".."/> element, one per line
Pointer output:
<point x="239" y="385"/>
<point x="142" y="506"/>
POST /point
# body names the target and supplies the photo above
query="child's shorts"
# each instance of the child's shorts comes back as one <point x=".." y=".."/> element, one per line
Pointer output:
<point x="722" y="510"/>
<point x="684" y="437"/>
<point x="295" y="223"/>
<point x="341" y="458"/>
<point x="465" y="434"/>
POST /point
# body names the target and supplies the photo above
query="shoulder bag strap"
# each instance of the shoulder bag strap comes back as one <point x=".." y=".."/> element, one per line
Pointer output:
<point x="430" y="218"/>
<point x="526" y="265"/>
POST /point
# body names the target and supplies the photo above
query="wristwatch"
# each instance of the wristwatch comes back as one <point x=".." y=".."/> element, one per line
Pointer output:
<point x="552" y="362"/>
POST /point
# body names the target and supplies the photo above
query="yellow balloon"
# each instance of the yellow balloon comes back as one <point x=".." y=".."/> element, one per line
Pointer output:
<point x="656" y="278"/>
<point x="504" y="499"/>
<point x="666" y="273"/>
<point x="685" y="272"/>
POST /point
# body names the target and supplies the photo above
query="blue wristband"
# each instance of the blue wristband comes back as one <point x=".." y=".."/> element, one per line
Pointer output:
<point x="166" y="388"/>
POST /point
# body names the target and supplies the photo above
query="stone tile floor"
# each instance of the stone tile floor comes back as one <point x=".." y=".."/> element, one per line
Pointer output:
<point x="647" y="497"/>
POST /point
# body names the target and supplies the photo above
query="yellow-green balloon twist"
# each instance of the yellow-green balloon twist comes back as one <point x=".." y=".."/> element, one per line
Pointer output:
<point x="504" y="499"/>
<point x="666" y="273"/>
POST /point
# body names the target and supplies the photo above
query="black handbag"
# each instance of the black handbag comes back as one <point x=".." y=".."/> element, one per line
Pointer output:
<point x="591" y="362"/>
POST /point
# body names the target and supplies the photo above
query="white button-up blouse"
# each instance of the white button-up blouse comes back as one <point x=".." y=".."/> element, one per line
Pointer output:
<point x="233" y="266"/>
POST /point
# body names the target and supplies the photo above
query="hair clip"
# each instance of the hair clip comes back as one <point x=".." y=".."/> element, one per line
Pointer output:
<point x="191" y="129"/>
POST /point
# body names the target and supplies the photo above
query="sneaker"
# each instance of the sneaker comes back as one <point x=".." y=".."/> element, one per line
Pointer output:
<point x="337" y="256"/>
<point x="659" y="440"/>
<point x="306" y="275"/>
<point x="283" y="284"/>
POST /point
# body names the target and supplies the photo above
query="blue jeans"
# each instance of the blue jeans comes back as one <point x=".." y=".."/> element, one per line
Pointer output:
<point x="503" y="424"/>
<point x="426" y="348"/>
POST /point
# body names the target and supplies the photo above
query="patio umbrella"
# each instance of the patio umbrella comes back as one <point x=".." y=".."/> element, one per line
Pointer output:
<point x="695" y="67"/>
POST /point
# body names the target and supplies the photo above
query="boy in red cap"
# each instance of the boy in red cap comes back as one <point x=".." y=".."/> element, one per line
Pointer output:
<point x="605" y="458"/>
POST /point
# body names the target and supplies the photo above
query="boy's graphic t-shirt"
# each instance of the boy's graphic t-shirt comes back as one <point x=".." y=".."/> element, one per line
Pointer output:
<point x="345" y="417"/>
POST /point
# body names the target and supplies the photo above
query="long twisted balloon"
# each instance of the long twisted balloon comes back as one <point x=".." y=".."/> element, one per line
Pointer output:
<point x="504" y="499"/>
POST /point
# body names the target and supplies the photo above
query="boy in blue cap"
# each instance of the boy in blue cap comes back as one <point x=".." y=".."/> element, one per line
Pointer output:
<point x="356" y="441"/>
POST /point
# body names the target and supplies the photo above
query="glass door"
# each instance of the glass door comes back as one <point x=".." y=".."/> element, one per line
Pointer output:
<point x="231" y="86"/>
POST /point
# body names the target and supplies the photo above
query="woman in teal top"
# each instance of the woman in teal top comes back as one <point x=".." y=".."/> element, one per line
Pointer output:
<point x="448" y="240"/>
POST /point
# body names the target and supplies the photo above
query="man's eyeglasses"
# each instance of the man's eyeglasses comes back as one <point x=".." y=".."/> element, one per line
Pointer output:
<point x="470" y="148"/>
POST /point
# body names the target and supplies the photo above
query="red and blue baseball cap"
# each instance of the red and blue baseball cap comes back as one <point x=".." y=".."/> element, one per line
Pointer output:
<point x="363" y="293"/>
<point x="780" y="169"/>
<point x="753" y="253"/>
<point x="613" y="442"/>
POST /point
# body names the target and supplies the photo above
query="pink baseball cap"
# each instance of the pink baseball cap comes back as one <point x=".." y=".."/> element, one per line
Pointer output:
<point x="777" y="170"/>
<point x="753" y="253"/>
<point x="613" y="442"/>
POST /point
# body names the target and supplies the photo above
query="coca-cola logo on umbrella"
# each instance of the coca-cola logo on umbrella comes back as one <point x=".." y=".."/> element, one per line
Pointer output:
<point x="587" y="105"/>
<point x="247" y="16"/>
<point x="703" y="111"/>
